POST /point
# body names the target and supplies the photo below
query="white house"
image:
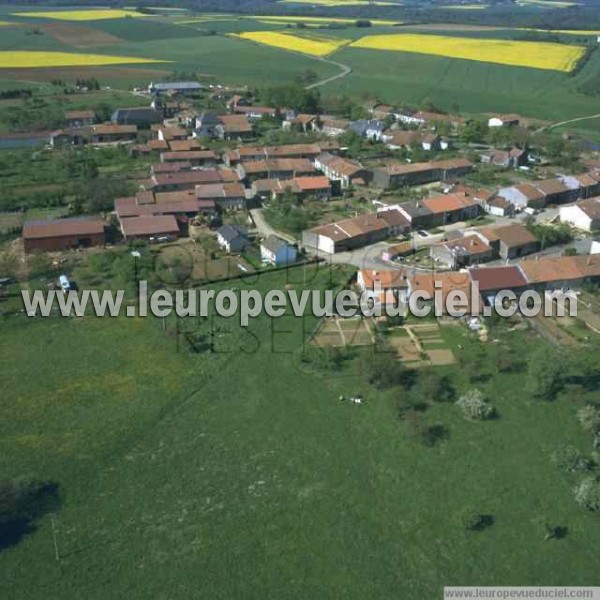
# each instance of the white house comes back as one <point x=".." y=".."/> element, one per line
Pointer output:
<point x="584" y="215"/>
<point x="504" y="121"/>
<point x="275" y="251"/>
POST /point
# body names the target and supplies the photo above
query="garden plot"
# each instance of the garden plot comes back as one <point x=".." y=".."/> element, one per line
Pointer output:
<point x="344" y="332"/>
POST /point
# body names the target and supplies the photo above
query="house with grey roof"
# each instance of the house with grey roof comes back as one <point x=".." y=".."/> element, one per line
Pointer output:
<point x="277" y="252"/>
<point x="370" y="129"/>
<point x="140" y="116"/>
<point x="232" y="238"/>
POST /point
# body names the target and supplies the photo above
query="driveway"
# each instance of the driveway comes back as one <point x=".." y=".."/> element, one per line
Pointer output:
<point x="264" y="229"/>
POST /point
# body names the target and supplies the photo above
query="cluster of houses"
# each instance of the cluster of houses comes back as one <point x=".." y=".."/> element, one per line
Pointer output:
<point x="188" y="180"/>
<point x="539" y="274"/>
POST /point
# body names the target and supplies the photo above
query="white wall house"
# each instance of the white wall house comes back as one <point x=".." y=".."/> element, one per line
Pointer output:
<point x="277" y="252"/>
<point x="503" y="121"/>
<point x="583" y="215"/>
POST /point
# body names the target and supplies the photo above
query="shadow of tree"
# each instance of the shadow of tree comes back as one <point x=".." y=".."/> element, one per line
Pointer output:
<point x="22" y="503"/>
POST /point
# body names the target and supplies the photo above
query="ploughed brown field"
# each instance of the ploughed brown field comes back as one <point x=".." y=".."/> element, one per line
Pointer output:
<point x="79" y="36"/>
<point x="83" y="72"/>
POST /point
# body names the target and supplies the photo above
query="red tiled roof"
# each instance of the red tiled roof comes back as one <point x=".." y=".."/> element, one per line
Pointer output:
<point x="149" y="225"/>
<point x="498" y="278"/>
<point x="62" y="227"/>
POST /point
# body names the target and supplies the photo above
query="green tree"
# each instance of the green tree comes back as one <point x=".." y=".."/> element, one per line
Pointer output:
<point x="544" y="377"/>
<point x="382" y="370"/>
<point x="589" y="417"/>
<point x="474" y="406"/>
<point x="587" y="494"/>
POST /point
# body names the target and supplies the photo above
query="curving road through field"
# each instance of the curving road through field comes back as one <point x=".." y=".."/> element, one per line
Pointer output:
<point x="549" y="127"/>
<point x="345" y="70"/>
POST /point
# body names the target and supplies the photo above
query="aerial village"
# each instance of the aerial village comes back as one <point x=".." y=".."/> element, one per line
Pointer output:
<point x="415" y="207"/>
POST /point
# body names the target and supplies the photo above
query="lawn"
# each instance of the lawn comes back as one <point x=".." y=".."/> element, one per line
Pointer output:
<point x="238" y="475"/>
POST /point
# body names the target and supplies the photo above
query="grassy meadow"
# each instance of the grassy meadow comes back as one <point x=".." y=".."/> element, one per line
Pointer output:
<point x="204" y="44"/>
<point x="238" y="474"/>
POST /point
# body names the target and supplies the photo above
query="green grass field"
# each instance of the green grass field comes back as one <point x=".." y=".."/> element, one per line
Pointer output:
<point x="239" y="475"/>
<point x="395" y="77"/>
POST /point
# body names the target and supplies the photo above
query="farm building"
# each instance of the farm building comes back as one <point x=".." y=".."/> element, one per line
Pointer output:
<point x="561" y="272"/>
<point x="351" y="233"/>
<point x="523" y="195"/>
<point x="255" y="112"/>
<point x="504" y="121"/>
<point x="559" y="190"/>
<point x="512" y="159"/>
<point x="471" y="249"/>
<point x="396" y="139"/>
<point x="491" y="280"/>
<point x="400" y="175"/>
<point x="277" y="168"/>
<point x="183" y="180"/>
<point x="451" y="208"/>
<point x="107" y="133"/>
<point x="140" y="116"/>
<point x="169" y="134"/>
<point x="584" y="215"/>
<point x="233" y="127"/>
<point x="300" y="187"/>
<point x="178" y="204"/>
<point x="227" y="195"/>
<point x="510" y="241"/>
<point x="170" y="167"/>
<point x="332" y="127"/>
<point x="79" y="118"/>
<point x="63" y="234"/>
<point x="277" y="252"/>
<point x="179" y="87"/>
<point x="197" y="158"/>
<point x="154" y="228"/>
<point x="250" y="153"/>
<point x="72" y="136"/>
<point x="417" y="214"/>
<point x="347" y="172"/>
<point x="300" y="122"/>
<point x="184" y="145"/>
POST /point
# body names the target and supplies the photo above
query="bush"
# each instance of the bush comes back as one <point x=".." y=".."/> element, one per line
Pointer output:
<point x="382" y="370"/>
<point x="589" y="417"/>
<point x="475" y="407"/>
<point x="569" y="459"/>
<point x="587" y="494"/>
<point x="422" y="432"/>
<point x="430" y="386"/>
<point x="473" y="520"/>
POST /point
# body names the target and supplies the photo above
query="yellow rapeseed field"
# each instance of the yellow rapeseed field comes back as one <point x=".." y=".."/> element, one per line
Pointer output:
<point x="314" y="47"/>
<point x="81" y="15"/>
<point x="28" y="59"/>
<point x="537" y="55"/>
